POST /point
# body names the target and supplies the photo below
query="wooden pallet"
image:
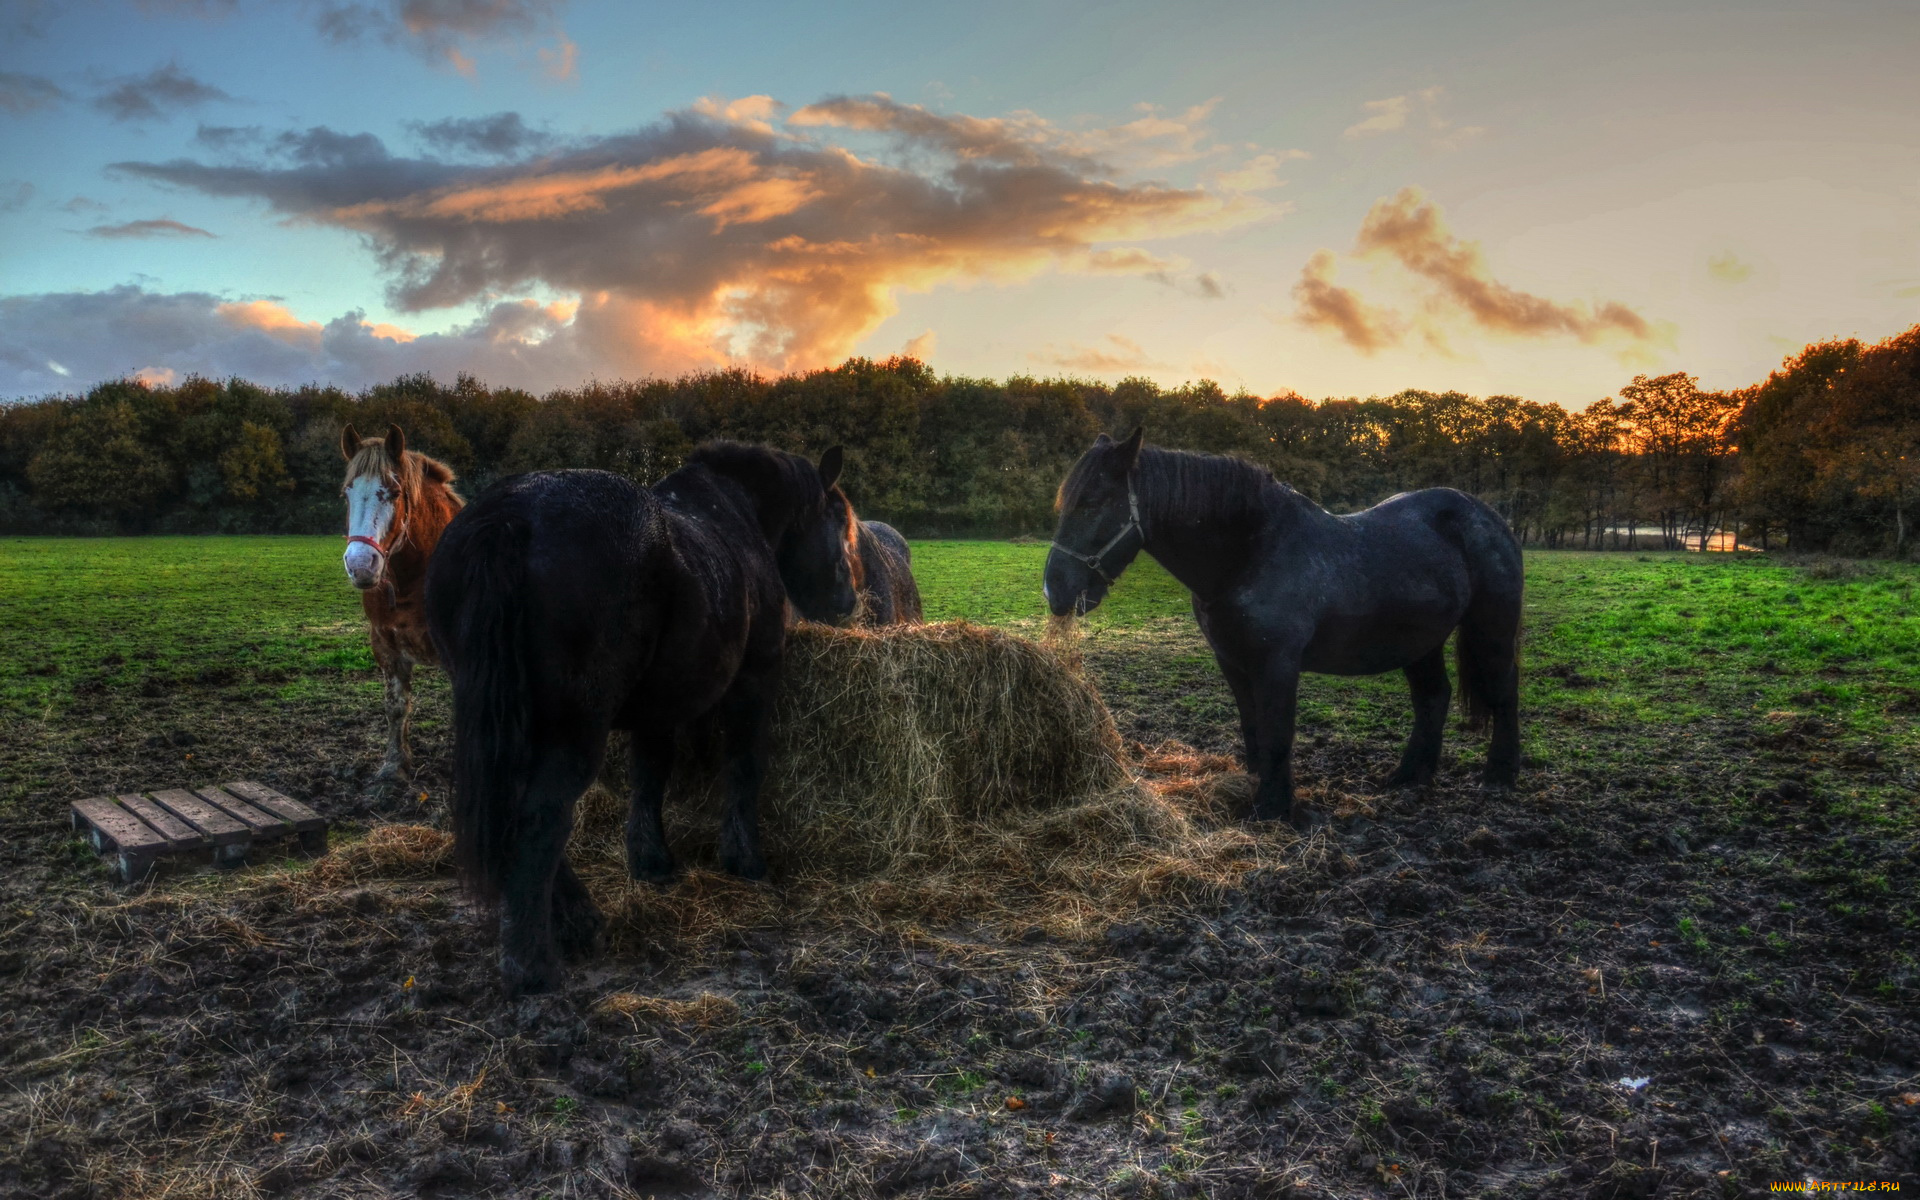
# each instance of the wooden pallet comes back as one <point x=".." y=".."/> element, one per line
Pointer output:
<point x="135" y="831"/>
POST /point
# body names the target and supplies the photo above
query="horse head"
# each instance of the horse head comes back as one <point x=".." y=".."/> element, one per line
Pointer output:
<point x="380" y="488"/>
<point x="1099" y="529"/>
<point x="818" y="554"/>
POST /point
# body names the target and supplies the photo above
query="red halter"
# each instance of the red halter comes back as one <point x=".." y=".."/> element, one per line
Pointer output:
<point x="364" y="540"/>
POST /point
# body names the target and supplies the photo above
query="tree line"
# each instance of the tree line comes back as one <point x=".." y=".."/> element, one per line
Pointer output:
<point x="1822" y="455"/>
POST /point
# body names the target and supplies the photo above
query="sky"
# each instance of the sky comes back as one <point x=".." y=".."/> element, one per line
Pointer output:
<point x="1533" y="198"/>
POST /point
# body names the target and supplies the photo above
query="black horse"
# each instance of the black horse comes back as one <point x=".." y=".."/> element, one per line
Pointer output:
<point x="882" y="569"/>
<point x="1282" y="586"/>
<point x="568" y="603"/>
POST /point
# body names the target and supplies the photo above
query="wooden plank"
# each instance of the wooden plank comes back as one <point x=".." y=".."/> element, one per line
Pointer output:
<point x="114" y="828"/>
<point x="263" y="824"/>
<point x="219" y="828"/>
<point x="304" y="819"/>
<point x="180" y="835"/>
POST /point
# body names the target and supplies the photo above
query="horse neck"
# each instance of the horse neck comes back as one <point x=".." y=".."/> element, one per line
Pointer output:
<point x="697" y="481"/>
<point x="429" y="510"/>
<point x="1202" y="541"/>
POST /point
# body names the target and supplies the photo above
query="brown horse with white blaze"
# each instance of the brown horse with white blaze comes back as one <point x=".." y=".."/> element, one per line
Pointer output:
<point x="398" y="503"/>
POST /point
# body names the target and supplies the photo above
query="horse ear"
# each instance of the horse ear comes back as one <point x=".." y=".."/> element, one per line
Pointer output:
<point x="349" y="442"/>
<point x="396" y="444"/>
<point x="1103" y="439"/>
<point x="1130" y="449"/>
<point x="830" y="464"/>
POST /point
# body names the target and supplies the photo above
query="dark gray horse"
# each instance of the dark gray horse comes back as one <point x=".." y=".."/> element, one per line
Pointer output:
<point x="568" y="603"/>
<point x="1282" y="586"/>
<point x="882" y="569"/>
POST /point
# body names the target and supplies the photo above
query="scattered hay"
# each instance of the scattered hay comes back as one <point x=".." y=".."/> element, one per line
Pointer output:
<point x="705" y="1011"/>
<point x="388" y="852"/>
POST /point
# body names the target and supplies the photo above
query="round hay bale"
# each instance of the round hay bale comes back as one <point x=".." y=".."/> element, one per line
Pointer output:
<point x="925" y="772"/>
<point x="897" y="744"/>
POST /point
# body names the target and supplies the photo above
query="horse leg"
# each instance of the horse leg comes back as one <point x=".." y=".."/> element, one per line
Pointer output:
<point x="647" y="855"/>
<point x="1241" y="686"/>
<point x="1498" y="662"/>
<point x="1240" y="683"/>
<point x="398" y="670"/>
<point x="1277" y="697"/>
<point x="577" y="923"/>
<point x="531" y="893"/>
<point x="744" y="716"/>
<point x="1427" y="678"/>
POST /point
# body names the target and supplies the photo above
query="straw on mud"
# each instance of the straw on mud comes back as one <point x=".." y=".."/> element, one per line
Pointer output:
<point x="388" y="852"/>
<point x="705" y="1011"/>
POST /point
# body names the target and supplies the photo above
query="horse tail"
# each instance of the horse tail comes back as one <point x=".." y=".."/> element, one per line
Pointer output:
<point x="1486" y="647"/>
<point x="1474" y="696"/>
<point x="486" y="634"/>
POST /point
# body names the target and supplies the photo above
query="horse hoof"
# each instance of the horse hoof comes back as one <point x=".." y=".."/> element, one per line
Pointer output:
<point x="753" y="870"/>
<point x="658" y="870"/>
<point x="519" y="979"/>
<point x="580" y="935"/>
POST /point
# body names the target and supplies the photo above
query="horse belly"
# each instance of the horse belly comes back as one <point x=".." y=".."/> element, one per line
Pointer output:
<point x="1379" y="640"/>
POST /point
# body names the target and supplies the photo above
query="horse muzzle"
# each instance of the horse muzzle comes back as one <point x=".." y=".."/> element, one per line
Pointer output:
<point x="365" y="565"/>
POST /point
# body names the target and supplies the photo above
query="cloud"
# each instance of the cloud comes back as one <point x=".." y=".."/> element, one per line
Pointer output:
<point x="1407" y="229"/>
<point x="1148" y="142"/>
<point x="1118" y="354"/>
<point x="228" y="137"/>
<point x="272" y="319"/>
<point x="161" y="227"/>
<point x="21" y="94"/>
<point x="81" y="204"/>
<point x="1388" y="115"/>
<point x="1728" y="268"/>
<point x="921" y="347"/>
<point x="25" y="18"/>
<point x="501" y="135"/>
<point x="1258" y="173"/>
<point x="155" y="94"/>
<point x="1321" y="302"/>
<point x="155" y="377"/>
<point x="562" y="62"/>
<point x="60" y="342"/>
<point x="448" y="31"/>
<point x="1396" y="112"/>
<point x="16" y="195"/>
<point x="717" y="235"/>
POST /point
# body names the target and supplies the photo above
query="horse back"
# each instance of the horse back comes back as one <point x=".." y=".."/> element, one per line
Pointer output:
<point x="890" y="594"/>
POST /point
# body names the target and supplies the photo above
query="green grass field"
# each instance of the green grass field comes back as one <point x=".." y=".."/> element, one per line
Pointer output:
<point x="1654" y="901"/>
<point x="1736" y="668"/>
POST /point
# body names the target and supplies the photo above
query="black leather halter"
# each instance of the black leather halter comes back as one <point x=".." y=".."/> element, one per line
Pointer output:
<point x="1133" y="525"/>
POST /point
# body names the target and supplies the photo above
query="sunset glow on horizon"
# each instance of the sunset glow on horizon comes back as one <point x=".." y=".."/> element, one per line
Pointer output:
<point x="1353" y="199"/>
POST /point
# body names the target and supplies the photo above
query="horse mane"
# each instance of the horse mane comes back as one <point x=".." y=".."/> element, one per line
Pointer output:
<point x="1183" y="481"/>
<point x="767" y="473"/>
<point x="840" y="506"/>
<point x="411" y="474"/>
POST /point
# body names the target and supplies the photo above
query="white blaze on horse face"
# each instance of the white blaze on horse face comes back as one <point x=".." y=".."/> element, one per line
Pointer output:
<point x="369" y="515"/>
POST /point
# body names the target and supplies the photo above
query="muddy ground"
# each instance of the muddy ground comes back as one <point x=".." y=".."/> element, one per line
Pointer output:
<point x="1438" y="996"/>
